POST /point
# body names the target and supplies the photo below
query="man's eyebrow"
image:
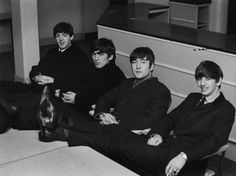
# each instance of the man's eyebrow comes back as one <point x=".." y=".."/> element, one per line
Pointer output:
<point x="98" y="52"/>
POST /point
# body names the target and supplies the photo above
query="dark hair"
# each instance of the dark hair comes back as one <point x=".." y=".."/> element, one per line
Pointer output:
<point x="142" y="52"/>
<point x="208" y="69"/>
<point x="63" y="27"/>
<point x="104" y="45"/>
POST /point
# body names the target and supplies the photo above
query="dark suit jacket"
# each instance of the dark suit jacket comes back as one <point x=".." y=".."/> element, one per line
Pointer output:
<point x="92" y="83"/>
<point x="198" y="131"/>
<point x="139" y="107"/>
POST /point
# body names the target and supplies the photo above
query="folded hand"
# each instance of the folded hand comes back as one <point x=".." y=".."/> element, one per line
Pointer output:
<point x="107" y="119"/>
<point x="68" y="97"/>
<point x="175" y="165"/>
<point x="155" y="140"/>
<point x="42" y="79"/>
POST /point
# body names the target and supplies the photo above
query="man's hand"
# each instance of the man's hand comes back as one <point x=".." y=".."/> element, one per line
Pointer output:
<point x="57" y="92"/>
<point x="92" y="111"/>
<point x="175" y="165"/>
<point x="141" y="132"/>
<point x="68" y="97"/>
<point x="107" y="119"/>
<point x="42" y="79"/>
<point x="155" y="140"/>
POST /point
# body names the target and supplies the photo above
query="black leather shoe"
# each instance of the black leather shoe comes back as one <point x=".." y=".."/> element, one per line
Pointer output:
<point x="58" y="134"/>
<point x="47" y="114"/>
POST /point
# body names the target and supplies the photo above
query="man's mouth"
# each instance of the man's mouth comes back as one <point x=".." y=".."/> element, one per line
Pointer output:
<point x="61" y="43"/>
<point x="203" y="88"/>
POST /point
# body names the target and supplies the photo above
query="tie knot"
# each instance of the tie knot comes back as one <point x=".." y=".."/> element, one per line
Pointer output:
<point x="202" y="101"/>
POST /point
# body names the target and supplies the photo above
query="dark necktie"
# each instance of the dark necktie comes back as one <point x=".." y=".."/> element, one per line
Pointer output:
<point x="201" y="102"/>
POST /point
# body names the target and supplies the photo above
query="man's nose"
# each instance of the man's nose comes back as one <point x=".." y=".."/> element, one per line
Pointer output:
<point x="203" y="81"/>
<point x="138" y="64"/>
<point x="96" y="57"/>
<point x="60" y="37"/>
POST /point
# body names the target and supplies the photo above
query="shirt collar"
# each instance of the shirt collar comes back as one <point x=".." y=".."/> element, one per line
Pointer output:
<point x="137" y="81"/>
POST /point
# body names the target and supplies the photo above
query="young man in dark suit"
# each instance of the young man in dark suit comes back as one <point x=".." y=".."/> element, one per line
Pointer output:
<point x="60" y="64"/>
<point x="95" y="79"/>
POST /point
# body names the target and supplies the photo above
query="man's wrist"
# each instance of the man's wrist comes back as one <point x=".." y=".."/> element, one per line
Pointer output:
<point x="184" y="156"/>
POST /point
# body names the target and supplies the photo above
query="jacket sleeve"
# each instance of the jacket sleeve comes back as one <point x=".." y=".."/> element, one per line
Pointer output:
<point x="108" y="100"/>
<point x="165" y="125"/>
<point x="34" y="71"/>
<point x="217" y="136"/>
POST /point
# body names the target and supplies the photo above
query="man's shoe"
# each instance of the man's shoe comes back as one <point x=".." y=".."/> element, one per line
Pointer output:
<point x="47" y="115"/>
<point x="58" y="134"/>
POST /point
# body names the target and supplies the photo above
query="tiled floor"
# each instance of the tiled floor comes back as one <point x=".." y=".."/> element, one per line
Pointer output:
<point x="21" y="154"/>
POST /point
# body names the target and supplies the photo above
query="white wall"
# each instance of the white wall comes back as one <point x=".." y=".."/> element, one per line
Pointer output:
<point x="25" y="37"/>
<point x="5" y="6"/>
<point x="82" y="14"/>
<point x="92" y="11"/>
<point x="51" y="12"/>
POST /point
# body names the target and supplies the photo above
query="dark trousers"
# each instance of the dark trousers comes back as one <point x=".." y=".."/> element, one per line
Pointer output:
<point x="26" y="97"/>
<point x="129" y="149"/>
<point x="111" y="141"/>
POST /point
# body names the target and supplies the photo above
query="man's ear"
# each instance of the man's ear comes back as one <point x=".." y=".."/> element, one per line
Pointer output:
<point x="219" y="82"/>
<point x="110" y="58"/>
<point x="72" y="37"/>
<point x="152" y="67"/>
